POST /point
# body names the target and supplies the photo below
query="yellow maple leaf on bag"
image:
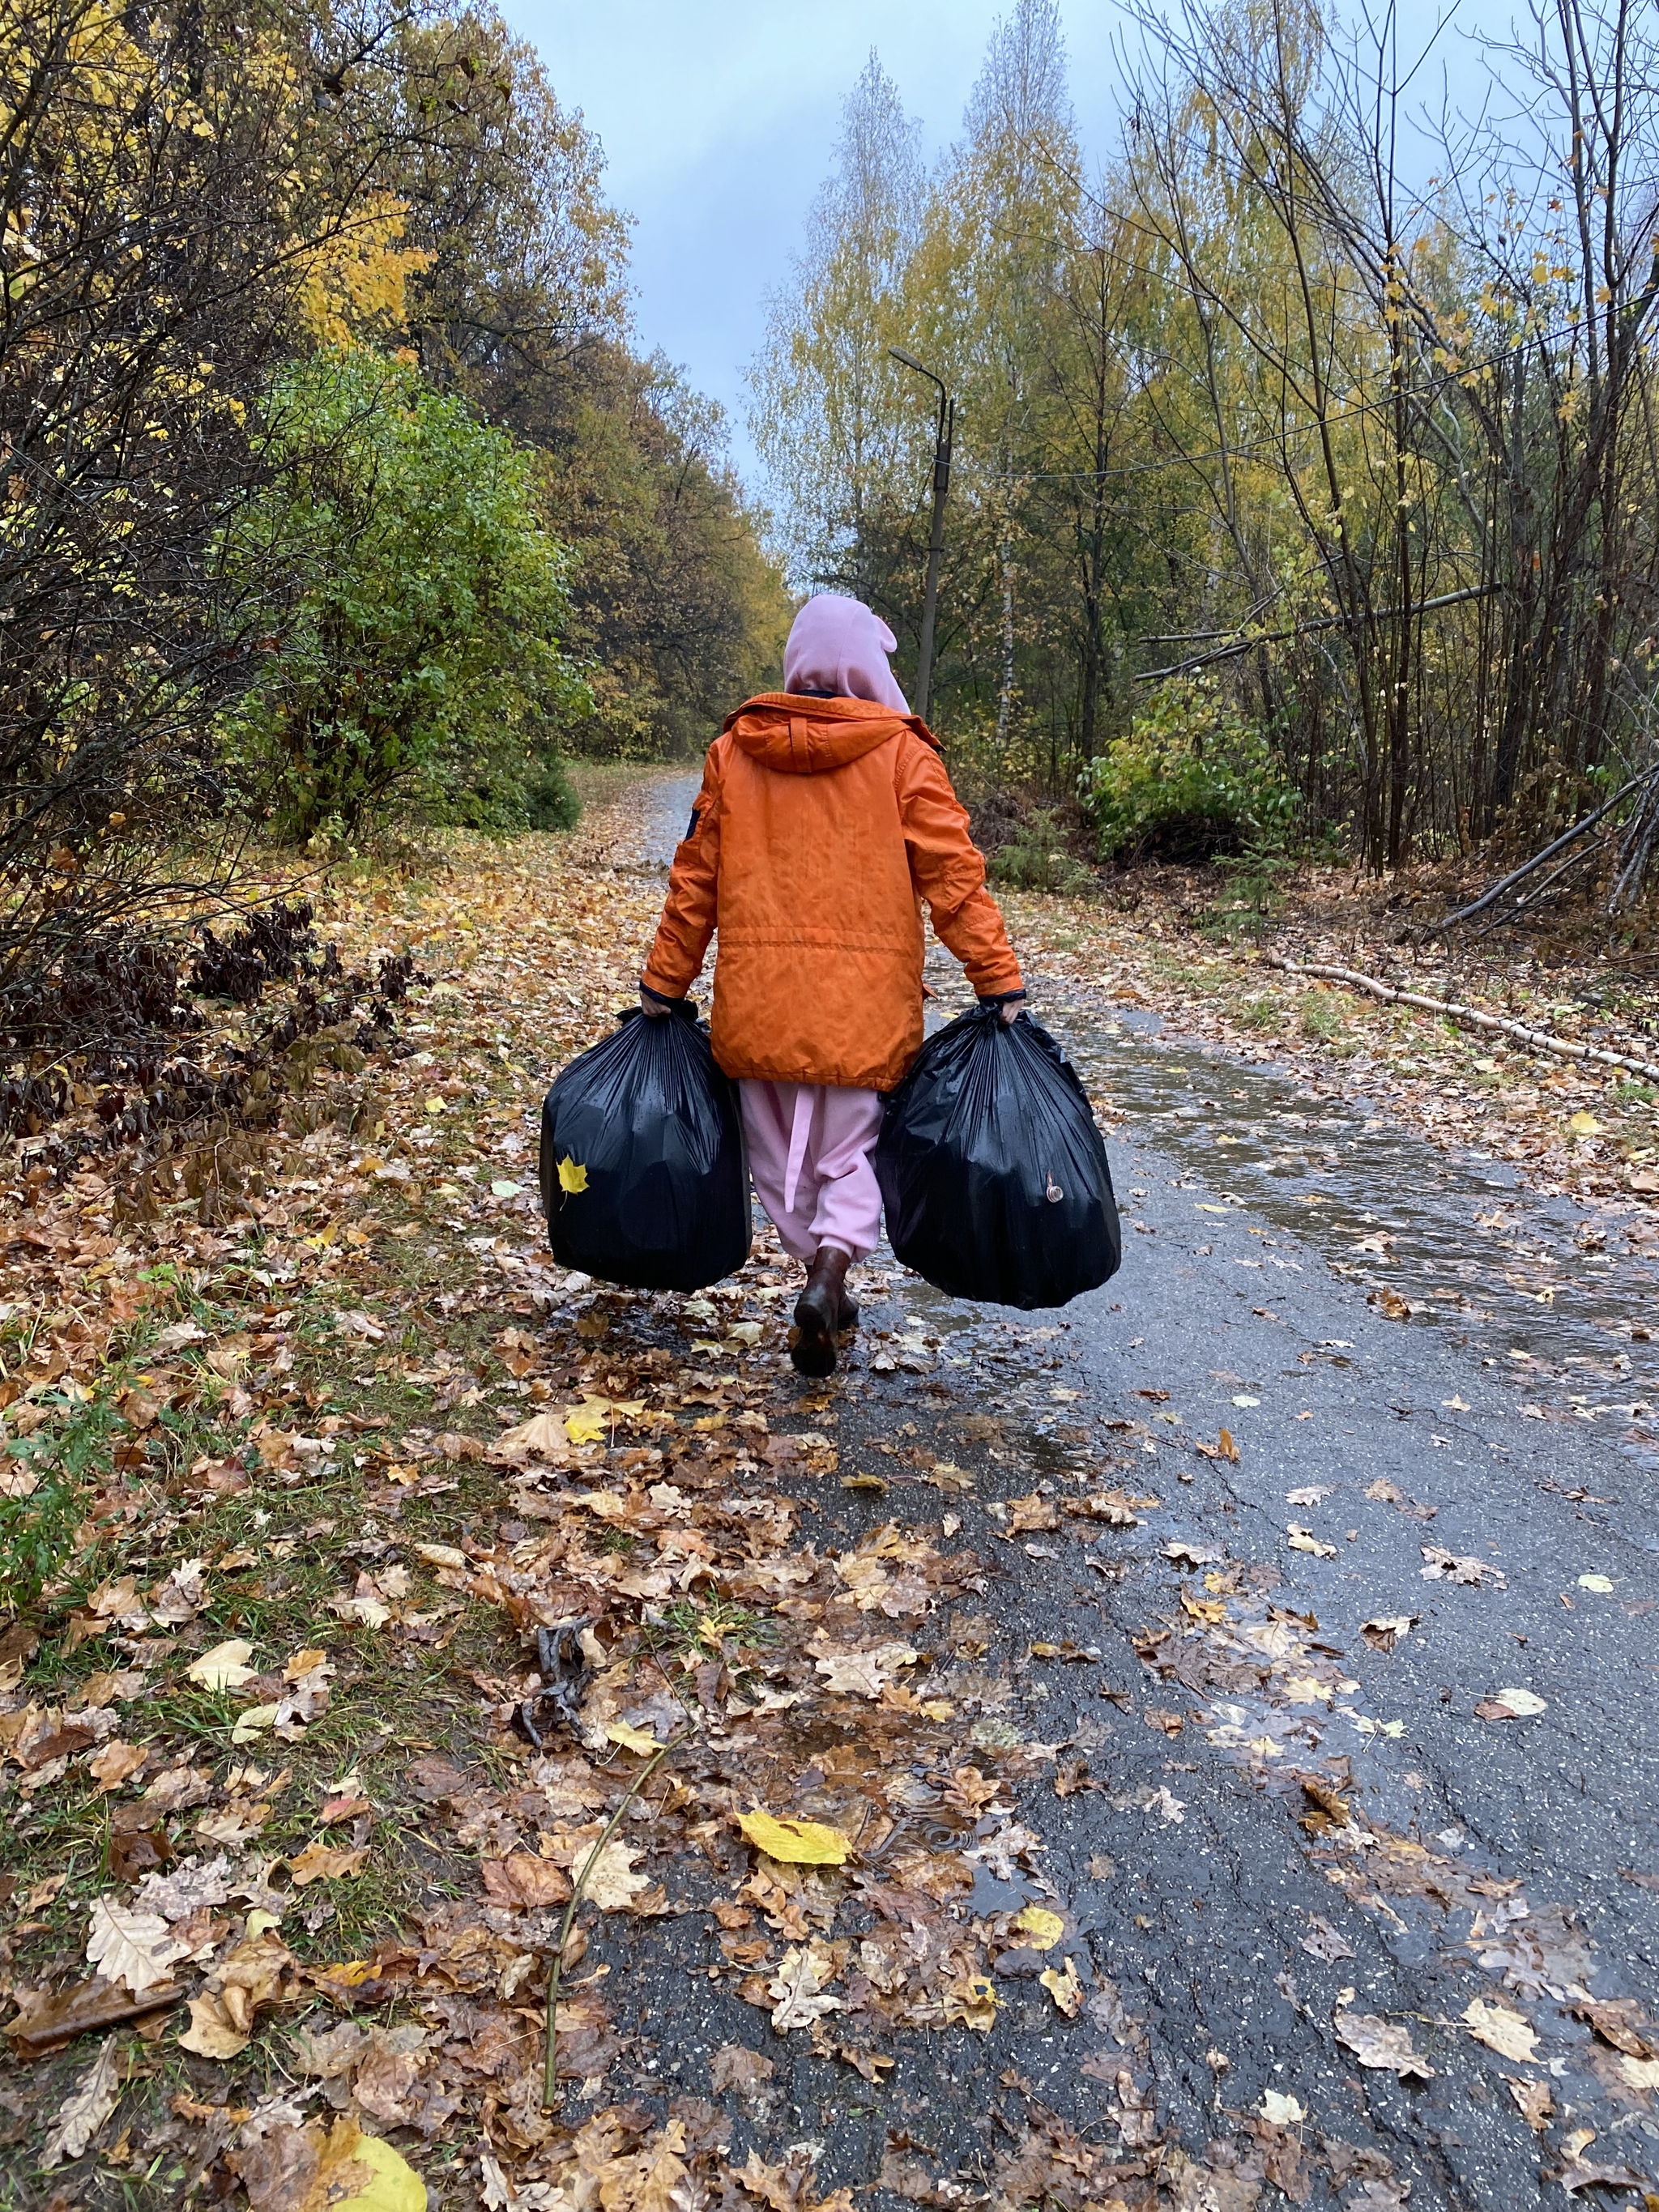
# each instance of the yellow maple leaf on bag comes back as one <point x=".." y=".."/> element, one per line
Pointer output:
<point x="572" y="1176"/>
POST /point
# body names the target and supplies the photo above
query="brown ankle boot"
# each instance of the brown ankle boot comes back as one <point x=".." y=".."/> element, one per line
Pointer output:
<point x="819" y="1313"/>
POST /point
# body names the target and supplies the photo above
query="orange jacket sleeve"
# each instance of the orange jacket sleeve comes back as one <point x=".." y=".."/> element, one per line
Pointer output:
<point x="689" y="912"/>
<point x="948" y="871"/>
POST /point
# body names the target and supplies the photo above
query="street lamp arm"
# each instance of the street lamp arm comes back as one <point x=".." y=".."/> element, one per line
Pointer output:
<point x="910" y="361"/>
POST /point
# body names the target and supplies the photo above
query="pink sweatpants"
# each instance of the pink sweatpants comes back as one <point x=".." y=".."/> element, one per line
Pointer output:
<point x="809" y="1153"/>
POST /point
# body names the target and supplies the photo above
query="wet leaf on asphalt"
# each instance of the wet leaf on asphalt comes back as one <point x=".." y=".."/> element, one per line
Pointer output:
<point x="1381" y="2044"/>
<point x="1041" y="1928"/>
<point x="1511" y="1704"/>
<point x="1325" y="1942"/>
<point x="1303" y="1540"/>
<point x="1442" y="1565"/>
<point x="1501" y="2029"/>
<point x="1533" y="2101"/>
<point x="799" y="1988"/>
<point x="1064" y="1987"/>
<point x="1385" y="1630"/>
<point x="799" y="1843"/>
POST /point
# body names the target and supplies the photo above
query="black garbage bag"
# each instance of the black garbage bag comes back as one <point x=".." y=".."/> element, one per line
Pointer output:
<point x="650" y="1131"/>
<point x="992" y="1171"/>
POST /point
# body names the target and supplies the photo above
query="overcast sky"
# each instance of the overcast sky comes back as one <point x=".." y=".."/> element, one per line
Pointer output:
<point x="718" y="118"/>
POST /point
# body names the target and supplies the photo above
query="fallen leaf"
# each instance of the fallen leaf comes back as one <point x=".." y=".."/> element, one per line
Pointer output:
<point x="224" y="1668"/>
<point x="320" y="1861"/>
<point x="1441" y="1565"/>
<point x="1640" y="2073"/>
<point x="1507" y="2033"/>
<point x="606" y="1878"/>
<point x="542" y="1437"/>
<point x="973" y="2002"/>
<point x="1533" y="2102"/>
<point x="523" y="1882"/>
<point x="1600" y="1583"/>
<point x="1064" y="1987"/>
<point x="137" y="1948"/>
<point x="1381" y="2043"/>
<point x="1523" y="1704"/>
<point x="1041" y="1928"/>
<point x="1303" y="1540"/>
<point x="1324" y="1941"/>
<point x="1510" y="1704"/>
<point x="85" y="2110"/>
<point x="222" y="2016"/>
<point x="1585" y="1125"/>
<point x="290" y="2169"/>
<point x="1280" y="2111"/>
<point x="633" y="1739"/>
<point x="573" y="1177"/>
<point x="801" y="1843"/>
<point x="1615" y="2021"/>
<point x="1574" y="2175"/>
<point x="254" y="1722"/>
<point x="396" y="2186"/>
<point x="210" y="2034"/>
<point x="798" y="1986"/>
<point x="440" y="1555"/>
<point x="735" y="2066"/>
<point x="115" y="1764"/>
<point x="865" y="1674"/>
<point x="1385" y="1630"/>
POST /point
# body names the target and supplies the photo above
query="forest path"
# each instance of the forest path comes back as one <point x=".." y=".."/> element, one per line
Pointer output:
<point x="1197" y="1859"/>
<point x="1415" y="1359"/>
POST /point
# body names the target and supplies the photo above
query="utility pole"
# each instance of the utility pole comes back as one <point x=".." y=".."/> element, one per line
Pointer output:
<point x="947" y="419"/>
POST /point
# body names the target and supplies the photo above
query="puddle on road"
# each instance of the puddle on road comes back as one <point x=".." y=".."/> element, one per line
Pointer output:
<point x="1458" y="1238"/>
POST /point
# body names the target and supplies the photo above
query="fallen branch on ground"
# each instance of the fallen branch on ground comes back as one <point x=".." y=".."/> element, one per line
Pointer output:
<point x="1556" y="845"/>
<point x="579" y="1889"/>
<point x="1466" y="1016"/>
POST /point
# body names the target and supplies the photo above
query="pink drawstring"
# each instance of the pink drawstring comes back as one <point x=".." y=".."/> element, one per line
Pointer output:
<point x="800" y="1130"/>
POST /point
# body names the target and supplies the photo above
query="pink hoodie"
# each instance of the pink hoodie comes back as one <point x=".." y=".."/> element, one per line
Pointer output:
<point x="838" y="646"/>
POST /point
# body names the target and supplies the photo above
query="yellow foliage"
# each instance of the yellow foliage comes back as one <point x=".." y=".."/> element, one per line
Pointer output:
<point x="354" y="279"/>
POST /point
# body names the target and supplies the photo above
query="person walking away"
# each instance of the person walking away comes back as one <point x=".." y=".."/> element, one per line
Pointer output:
<point x="825" y="818"/>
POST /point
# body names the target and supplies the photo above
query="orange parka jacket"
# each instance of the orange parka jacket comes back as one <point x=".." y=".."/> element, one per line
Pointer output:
<point x="821" y="826"/>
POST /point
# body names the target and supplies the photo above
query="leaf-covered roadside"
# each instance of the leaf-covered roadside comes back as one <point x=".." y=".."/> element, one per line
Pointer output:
<point x="392" y="1555"/>
<point x="379" y="1557"/>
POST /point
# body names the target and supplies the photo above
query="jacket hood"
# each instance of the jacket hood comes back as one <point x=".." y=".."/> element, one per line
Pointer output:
<point x="799" y="735"/>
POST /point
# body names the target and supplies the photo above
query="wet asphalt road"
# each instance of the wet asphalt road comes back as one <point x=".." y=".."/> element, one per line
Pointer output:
<point x="1511" y="1860"/>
